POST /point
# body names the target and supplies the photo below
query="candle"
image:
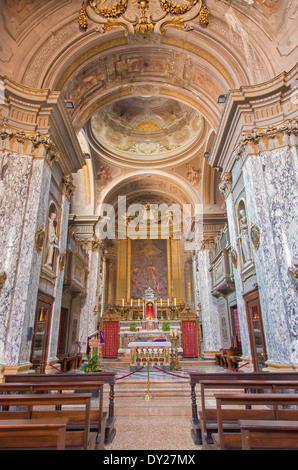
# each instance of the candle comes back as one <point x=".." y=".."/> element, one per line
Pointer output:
<point x="168" y="302"/>
<point x="160" y="301"/>
<point x="175" y="302"/>
<point x="131" y="302"/>
<point x="122" y="302"/>
<point x="138" y="302"/>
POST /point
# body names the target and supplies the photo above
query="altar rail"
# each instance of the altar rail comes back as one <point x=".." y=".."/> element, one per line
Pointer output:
<point x="157" y="353"/>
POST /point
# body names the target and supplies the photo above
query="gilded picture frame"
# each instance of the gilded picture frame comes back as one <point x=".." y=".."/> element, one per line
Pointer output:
<point x="255" y="237"/>
<point x="39" y="239"/>
<point x="234" y="258"/>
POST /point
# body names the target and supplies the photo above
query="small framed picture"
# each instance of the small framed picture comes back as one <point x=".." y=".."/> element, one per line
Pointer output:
<point x="39" y="239"/>
<point x="234" y="258"/>
<point x="255" y="237"/>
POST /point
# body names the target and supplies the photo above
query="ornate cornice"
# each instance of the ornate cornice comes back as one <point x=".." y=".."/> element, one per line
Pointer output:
<point x="35" y="144"/>
<point x="261" y="139"/>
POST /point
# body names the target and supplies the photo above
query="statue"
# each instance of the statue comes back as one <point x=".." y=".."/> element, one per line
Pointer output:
<point x="52" y="240"/>
<point x="244" y="237"/>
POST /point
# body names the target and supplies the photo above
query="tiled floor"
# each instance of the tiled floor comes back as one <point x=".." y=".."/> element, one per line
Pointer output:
<point x="161" y="423"/>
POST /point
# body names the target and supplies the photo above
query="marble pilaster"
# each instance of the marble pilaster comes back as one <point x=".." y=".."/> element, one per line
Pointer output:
<point x="209" y="313"/>
<point x="234" y="242"/>
<point x="24" y="196"/>
<point x="88" y="321"/>
<point x="56" y="309"/>
<point x="272" y="204"/>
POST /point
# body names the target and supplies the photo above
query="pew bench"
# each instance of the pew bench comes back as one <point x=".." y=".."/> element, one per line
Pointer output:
<point x="98" y="417"/>
<point x="40" y="434"/>
<point x="69" y="362"/>
<point x="207" y="423"/>
<point x="265" y="435"/>
<point x="197" y="377"/>
<point x="267" y="409"/>
<point x="41" y="407"/>
<point x="106" y="377"/>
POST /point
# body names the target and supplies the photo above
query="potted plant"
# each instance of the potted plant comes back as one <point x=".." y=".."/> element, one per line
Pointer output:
<point x="166" y="326"/>
<point x="133" y="326"/>
<point x="92" y="364"/>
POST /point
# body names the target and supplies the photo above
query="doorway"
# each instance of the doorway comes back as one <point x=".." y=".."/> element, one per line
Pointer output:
<point x="41" y="331"/>
<point x="256" y="330"/>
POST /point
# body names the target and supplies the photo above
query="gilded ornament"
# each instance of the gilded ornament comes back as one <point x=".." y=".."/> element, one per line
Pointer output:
<point x="62" y="261"/>
<point x="234" y="258"/>
<point x="39" y="239"/>
<point x="294" y="274"/>
<point x="142" y="24"/>
<point x="3" y="277"/>
<point x="255" y="237"/>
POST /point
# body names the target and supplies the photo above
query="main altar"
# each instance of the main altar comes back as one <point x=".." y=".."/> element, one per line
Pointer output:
<point x="150" y="328"/>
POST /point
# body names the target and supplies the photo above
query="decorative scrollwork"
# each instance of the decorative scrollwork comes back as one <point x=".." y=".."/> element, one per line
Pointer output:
<point x="142" y="24"/>
<point x="113" y="11"/>
<point x="175" y="8"/>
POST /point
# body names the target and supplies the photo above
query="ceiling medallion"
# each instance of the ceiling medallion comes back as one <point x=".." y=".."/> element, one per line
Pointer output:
<point x="122" y="14"/>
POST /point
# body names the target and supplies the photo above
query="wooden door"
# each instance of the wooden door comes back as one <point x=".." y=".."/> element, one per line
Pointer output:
<point x="41" y="330"/>
<point x="256" y="331"/>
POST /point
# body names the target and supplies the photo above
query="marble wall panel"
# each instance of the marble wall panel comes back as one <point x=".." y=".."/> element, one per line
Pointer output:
<point x="272" y="204"/>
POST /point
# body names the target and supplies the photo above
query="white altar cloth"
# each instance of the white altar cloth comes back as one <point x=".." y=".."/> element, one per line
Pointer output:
<point x="149" y="344"/>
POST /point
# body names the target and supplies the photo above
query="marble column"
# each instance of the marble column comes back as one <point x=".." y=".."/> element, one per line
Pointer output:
<point x="24" y="190"/>
<point x="209" y="313"/>
<point x="272" y="204"/>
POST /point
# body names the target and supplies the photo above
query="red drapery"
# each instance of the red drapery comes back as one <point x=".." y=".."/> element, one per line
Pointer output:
<point x="190" y="341"/>
<point x="149" y="311"/>
<point x="111" y="337"/>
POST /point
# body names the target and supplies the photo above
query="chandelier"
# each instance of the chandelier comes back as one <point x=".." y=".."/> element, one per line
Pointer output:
<point x="154" y="14"/>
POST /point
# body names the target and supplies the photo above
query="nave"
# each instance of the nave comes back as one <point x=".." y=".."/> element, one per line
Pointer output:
<point x="162" y="423"/>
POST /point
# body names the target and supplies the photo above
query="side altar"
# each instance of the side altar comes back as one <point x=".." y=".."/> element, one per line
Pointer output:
<point x="148" y="328"/>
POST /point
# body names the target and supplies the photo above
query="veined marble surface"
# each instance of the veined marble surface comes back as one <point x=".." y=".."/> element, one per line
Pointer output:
<point x="231" y="215"/>
<point x="272" y="204"/>
<point x="23" y="208"/>
<point x="210" y="315"/>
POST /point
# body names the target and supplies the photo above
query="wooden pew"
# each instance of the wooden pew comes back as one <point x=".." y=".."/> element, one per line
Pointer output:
<point x="39" y="407"/>
<point x="97" y="416"/>
<point x="264" y="435"/>
<point x="39" y="434"/>
<point x="208" y="416"/>
<point x="69" y="362"/>
<point x="197" y="377"/>
<point x="233" y="441"/>
<point x="106" y="377"/>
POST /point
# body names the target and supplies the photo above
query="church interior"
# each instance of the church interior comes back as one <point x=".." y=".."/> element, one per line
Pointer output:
<point x="149" y="209"/>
